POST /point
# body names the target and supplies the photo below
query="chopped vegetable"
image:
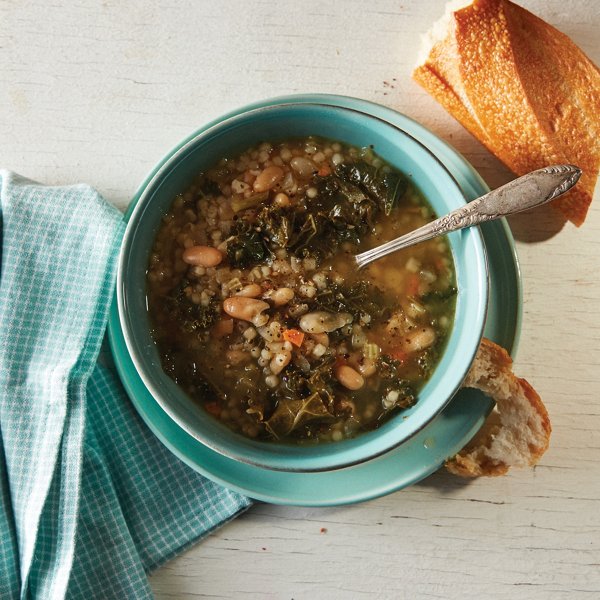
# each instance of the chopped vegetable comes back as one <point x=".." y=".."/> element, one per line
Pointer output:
<point x="294" y="337"/>
<point x="239" y="203"/>
<point x="399" y="355"/>
<point x="213" y="408"/>
<point x="370" y="351"/>
<point x="413" y="282"/>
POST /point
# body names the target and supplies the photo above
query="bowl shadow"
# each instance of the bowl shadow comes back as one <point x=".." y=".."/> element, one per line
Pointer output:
<point x="444" y="482"/>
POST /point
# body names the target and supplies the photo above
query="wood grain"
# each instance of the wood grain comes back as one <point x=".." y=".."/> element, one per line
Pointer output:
<point x="99" y="91"/>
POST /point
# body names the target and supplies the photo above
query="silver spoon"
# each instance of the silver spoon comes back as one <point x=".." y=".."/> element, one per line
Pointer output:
<point x="531" y="190"/>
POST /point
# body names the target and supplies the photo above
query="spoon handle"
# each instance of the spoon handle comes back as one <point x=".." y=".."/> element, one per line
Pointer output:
<point x="531" y="190"/>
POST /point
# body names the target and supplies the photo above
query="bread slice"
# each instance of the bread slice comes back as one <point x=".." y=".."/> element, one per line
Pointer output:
<point x="438" y="71"/>
<point x="524" y="89"/>
<point x="517" y="432"/>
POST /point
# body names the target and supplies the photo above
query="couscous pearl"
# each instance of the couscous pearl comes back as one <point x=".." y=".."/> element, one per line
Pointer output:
<point x="272" y="381"/>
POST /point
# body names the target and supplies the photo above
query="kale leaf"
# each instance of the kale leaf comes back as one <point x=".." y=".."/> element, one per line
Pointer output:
<point x="383" y="186"/>
<point x="344" y="210"/>
<point x="361" y="297"/>
<point x="340" y="212"/>
<point x="292" y="413"/>
<point x="302" y="399"/>
<point x="246" y="246"/>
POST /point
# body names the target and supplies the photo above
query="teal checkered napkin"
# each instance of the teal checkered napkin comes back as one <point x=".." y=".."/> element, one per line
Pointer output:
<point x="90" y="500"/>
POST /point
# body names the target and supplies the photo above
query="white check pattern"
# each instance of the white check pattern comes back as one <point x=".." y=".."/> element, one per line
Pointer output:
<point x="90" y="499"/>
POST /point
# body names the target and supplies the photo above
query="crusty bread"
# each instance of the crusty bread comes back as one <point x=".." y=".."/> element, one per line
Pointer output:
<point x="524" y="89"/>
<point x="517" y="432"/>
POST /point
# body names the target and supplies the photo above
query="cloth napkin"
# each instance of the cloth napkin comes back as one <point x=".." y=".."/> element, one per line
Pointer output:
<point x="90" y="500"/>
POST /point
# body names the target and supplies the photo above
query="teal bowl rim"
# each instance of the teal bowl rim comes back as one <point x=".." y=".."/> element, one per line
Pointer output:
<point x="318" y="462"/>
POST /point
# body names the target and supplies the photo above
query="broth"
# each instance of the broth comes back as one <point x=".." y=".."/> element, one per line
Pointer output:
<point x="258" y="312"/>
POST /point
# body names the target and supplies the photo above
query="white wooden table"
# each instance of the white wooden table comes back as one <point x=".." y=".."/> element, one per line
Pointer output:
<point x="97" y="92"/>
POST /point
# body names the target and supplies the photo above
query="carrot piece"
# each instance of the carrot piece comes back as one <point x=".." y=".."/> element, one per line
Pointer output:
<point x="222" y="328"/>
<point x="412" y="284"/>
<point x="399" y="355"/>
<point x="293" y="336"/>
<point x="324" y="170"/>
<point x="213" y="408"/>
<point x="439" y="265"/>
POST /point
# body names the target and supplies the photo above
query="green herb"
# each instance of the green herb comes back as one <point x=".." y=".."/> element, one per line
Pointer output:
<point x="345" y="212"/>
<point x="191" y="317"/>
<point x="390" y="380"/>
<point x="427" y="360"/>
<point x="208" y="187"/>
<point x="361" y="297"/>
<point x="439" y="295"/>
<point x="276" y="224"/>
<point x="437" y="302"/>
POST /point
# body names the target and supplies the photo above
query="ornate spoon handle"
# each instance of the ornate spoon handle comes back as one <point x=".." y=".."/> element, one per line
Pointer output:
<point x="531" y="190"/>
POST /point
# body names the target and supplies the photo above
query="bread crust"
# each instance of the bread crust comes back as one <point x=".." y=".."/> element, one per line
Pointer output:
<point x="524" y="89"/>
<point x="517" y="433"/>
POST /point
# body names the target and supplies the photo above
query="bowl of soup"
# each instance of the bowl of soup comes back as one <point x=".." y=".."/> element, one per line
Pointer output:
<point x="243" y="310"/>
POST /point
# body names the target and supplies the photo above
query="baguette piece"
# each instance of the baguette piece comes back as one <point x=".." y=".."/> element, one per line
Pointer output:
<point x="516" y="433"/>
<point x="524" y="89"/>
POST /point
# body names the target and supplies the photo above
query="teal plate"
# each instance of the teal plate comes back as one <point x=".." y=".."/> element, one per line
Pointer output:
<point x="415" y="459"/>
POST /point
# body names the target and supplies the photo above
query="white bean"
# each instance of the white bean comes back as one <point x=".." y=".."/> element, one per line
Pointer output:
<point x="303" y="166"/>
<point x="282" y="296"/>
<point x="322" y="322"/>
<point x="268" y="178"/>
<point x="203" y="256"/>
<point x="419" y="339"/>
<point x="253" y="290"/>
<point x="245" y="309"/>
<point x="349" y="378"/>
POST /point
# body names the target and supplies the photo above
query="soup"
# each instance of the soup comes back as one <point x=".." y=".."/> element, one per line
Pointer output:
<point x="259" y="313"/>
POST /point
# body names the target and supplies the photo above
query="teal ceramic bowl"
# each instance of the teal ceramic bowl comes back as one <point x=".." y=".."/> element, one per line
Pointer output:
<point x="277" y="122"/>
